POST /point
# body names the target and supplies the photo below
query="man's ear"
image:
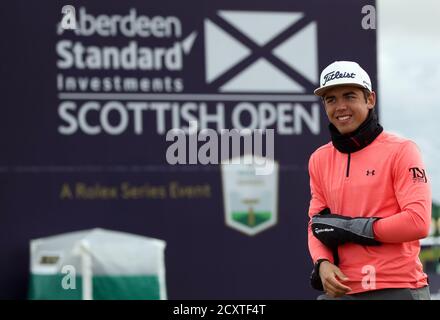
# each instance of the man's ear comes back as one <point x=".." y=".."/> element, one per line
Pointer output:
<point x="371" y="100"/>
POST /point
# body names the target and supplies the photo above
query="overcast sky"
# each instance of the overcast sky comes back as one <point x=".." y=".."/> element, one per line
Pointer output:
<point x="409" y="75"/>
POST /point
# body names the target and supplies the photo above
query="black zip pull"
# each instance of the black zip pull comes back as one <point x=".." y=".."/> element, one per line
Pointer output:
<point x="348" y="165"/>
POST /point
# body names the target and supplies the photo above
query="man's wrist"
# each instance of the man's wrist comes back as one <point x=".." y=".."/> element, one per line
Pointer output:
<point x="315" y="278"/>
<point x="318" y="264"/>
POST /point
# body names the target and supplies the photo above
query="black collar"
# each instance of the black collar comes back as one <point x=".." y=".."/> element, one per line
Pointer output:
<point x="358" y="139"/>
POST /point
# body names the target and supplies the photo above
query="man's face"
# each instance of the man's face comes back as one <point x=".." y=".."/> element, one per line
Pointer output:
<point x="346" y="107"/>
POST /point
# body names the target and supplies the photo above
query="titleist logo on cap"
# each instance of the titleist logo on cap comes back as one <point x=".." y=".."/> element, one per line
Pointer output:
<point x="337" y="75"/>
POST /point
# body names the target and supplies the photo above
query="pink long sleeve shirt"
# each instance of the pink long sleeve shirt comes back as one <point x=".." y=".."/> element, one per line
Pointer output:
<point x="386" y="179"/>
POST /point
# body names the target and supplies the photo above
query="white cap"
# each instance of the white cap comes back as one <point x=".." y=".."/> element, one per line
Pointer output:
<point x="343" y="73"/>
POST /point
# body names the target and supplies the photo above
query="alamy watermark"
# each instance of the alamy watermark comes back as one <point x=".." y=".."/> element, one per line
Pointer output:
<point x="257" y="142"/>
<point x="68" y="22"/>
<point x="369" y="278"/>
<point x="68" y="282"/>
<point x="369" y="20"/>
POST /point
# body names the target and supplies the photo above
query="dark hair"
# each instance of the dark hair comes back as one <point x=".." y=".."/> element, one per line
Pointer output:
<point x="366" y="93"/>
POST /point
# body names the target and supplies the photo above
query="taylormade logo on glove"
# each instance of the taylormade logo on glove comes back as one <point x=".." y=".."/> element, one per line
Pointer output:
<point x="317" y="231"/>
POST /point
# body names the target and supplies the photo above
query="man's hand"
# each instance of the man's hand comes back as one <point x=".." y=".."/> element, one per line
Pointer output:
<point x="331" y="277"/>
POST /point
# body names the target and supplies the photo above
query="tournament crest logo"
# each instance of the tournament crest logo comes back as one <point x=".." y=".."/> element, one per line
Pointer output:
<point x="250" y="200"/>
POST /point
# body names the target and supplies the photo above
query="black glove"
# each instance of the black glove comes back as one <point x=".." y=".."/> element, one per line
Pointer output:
<point x="334" y="229"/>
<point x="315" y="279"/>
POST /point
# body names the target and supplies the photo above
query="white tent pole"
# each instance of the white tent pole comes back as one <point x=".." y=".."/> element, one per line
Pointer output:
<point x="86" y="270"/>
<point x="161" y="270"/>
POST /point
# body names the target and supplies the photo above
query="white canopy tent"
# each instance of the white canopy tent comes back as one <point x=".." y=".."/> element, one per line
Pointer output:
<point x="97" y="264"/>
